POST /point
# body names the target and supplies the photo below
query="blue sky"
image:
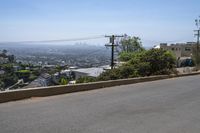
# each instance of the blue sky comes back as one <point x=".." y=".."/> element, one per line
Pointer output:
<point x="153" y="21"/>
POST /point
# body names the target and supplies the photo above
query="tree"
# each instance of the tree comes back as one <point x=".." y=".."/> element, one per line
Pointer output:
<point x="8" y="68"/>
<point x="143" y="63"/>
<point x="131" y="44"/>
<point x="9" y="79"/>
<point x="160" y="61"/>
<point x="124" y="56"/>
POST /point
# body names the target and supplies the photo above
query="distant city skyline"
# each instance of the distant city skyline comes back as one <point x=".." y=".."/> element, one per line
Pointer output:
<point x="153" y="21"/>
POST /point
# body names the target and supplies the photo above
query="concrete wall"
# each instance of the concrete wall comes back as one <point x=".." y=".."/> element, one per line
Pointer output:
<point x="187" y="50"/>
<point x="175" y="49"/>
<point x="57" y="90"/>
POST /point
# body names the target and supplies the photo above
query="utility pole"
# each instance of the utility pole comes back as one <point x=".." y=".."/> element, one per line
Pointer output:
<point x="197" y="34"/>
<point x="112" y="45"/>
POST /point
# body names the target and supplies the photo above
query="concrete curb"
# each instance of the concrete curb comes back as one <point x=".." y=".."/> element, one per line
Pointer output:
<point x="57" y="90"/>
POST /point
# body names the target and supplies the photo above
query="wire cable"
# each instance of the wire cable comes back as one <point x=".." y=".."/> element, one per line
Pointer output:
<point x="56" y="40"/>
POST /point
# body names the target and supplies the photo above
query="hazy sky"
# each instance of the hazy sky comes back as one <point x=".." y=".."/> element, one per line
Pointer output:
<point x="152" y="20"/>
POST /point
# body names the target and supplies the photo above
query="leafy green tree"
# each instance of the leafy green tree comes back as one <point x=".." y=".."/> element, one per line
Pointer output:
<point x="9" y="80"/>
<point x="143" y="63"/>
<point x="8" y="68"/>
<point x="131" y="44"/>
<point x="160" y="61"/>
<point x="124" y="56"/>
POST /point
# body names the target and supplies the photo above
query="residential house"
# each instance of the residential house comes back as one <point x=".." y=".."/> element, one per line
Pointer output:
<point x="179" y="49"/>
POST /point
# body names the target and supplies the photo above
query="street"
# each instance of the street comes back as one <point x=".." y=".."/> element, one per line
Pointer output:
<point x="165" y="106"/>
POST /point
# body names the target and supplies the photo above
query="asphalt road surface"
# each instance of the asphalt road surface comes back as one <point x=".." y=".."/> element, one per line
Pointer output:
<point x="166" y="106"/>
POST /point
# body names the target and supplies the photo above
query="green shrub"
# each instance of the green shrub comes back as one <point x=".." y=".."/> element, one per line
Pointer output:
<point x="86" y="80"/>
<point x="143" y="63"/>
<point x="63" y="81"/>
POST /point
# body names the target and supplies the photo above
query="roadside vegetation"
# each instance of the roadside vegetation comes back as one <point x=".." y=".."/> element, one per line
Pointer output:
<point x="12" y="72"/>
<point x="143" y="63"/>
<point x="138" y="62"/>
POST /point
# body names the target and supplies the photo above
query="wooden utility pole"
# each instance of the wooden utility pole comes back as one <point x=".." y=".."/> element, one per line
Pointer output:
<point x="112" y="45"/>
<point x="197" y="34"/>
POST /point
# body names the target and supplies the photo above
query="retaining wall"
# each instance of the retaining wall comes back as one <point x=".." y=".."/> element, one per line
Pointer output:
<point x="57" y="90"/>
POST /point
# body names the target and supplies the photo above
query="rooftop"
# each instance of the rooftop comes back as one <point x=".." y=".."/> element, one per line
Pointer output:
<point x="93" y="72"/>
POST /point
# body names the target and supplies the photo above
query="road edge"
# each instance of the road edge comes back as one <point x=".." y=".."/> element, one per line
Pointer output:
<point x="58" y="90"/>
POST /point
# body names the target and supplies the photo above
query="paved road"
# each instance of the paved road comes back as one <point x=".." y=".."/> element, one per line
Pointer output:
<point x="167" y="106"/>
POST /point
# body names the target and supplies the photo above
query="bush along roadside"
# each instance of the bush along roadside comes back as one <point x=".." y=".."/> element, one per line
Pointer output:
<point x="142" y="63"/>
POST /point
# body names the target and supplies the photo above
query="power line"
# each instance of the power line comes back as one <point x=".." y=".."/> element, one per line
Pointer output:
<point x="56" y="40"/>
